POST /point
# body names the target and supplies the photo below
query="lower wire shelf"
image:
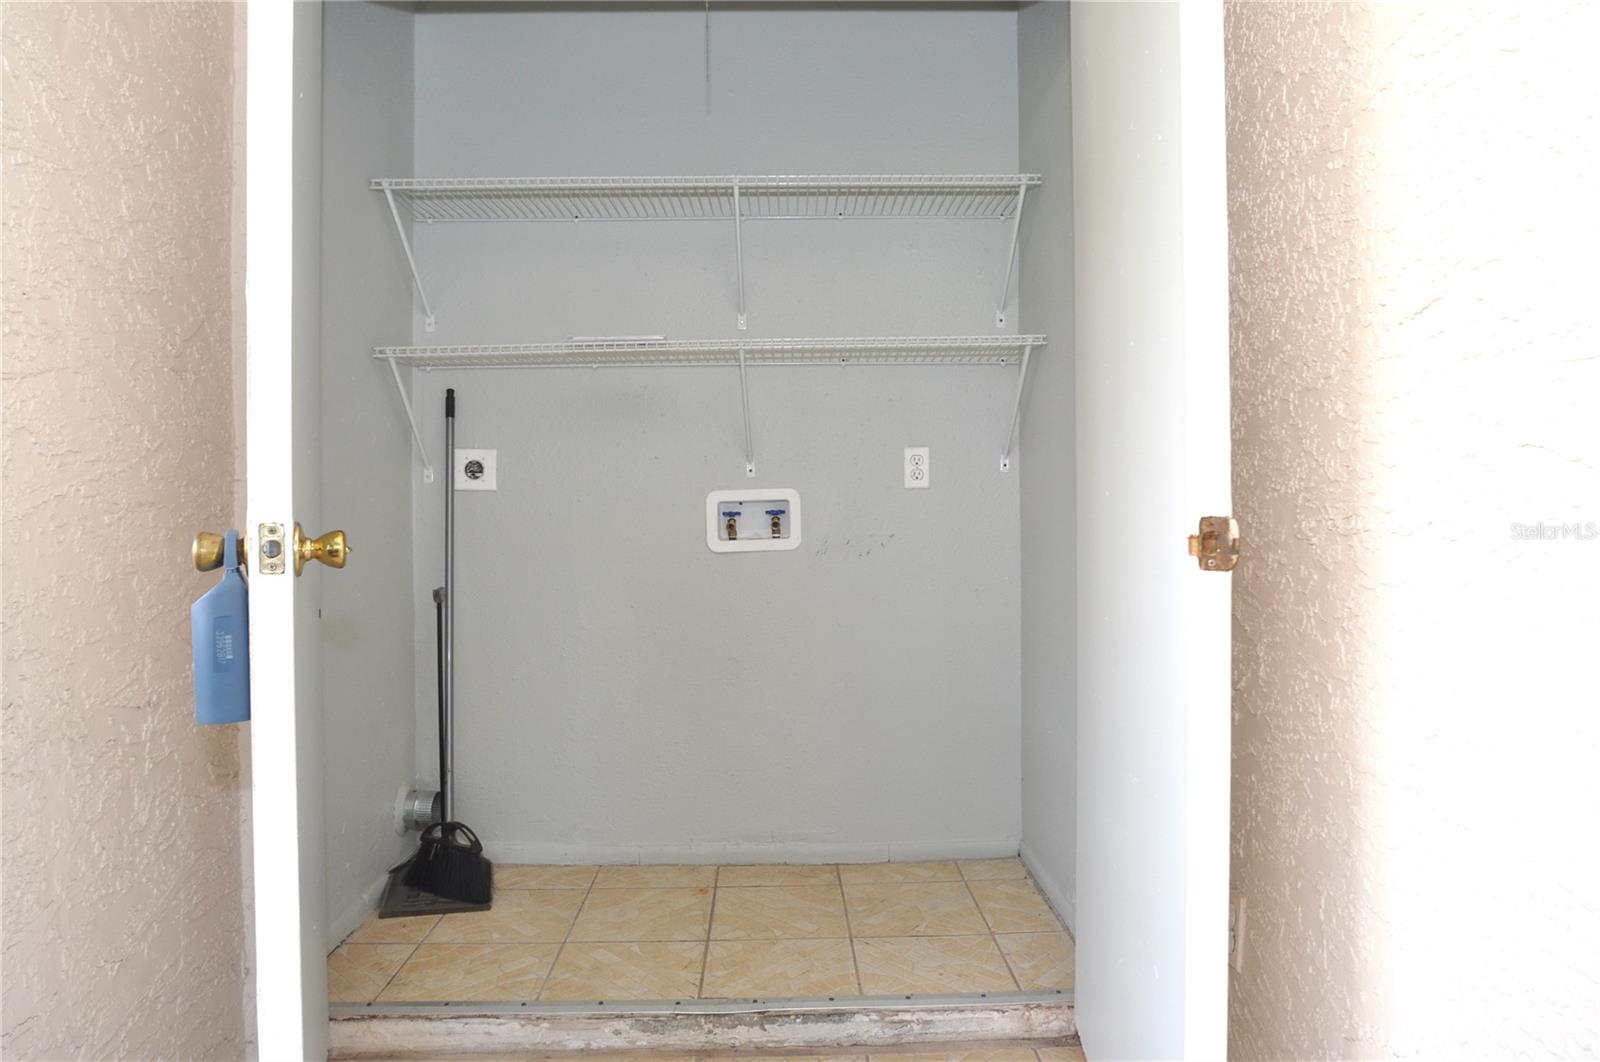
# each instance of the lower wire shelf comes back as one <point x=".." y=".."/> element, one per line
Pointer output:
<point x="644" y="353"/>
<point x="740" y="353"/>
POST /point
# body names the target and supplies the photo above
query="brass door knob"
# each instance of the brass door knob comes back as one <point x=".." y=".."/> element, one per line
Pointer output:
<point x="207" y="551"/>
<point x="331" y="549"/>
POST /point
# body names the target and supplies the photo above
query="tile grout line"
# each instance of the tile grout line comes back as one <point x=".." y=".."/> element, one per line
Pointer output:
<point x="1060" y="927"/>
<point x="913" y="936"/>
<point x="544" y="982"/>
<point x="408" y="957"/>
<point x="434" y="929"/>
<point x="748" y="885"/>
<point x="850" y="930"/>
<point x="388" y="981"/>
<point x="959" y="879"/>
<point x="761" y="940"/>
<point x="711" y="917"/>
<point x="1015" y="980"/>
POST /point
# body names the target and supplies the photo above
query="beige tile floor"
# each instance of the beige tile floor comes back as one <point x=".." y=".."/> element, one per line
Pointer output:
<point x="584" y="934"/>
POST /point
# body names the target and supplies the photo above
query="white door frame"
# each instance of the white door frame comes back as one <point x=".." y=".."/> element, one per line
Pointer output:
<point x="290" y="969"/>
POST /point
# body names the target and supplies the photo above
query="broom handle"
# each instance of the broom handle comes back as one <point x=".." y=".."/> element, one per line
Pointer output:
<point x="447" y="745"/>
<point x="438" y="635"/>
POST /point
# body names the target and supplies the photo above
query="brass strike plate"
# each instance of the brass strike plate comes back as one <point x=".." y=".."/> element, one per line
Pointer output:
<point x="1217" y="544"/>
<point x="270" y="546"/>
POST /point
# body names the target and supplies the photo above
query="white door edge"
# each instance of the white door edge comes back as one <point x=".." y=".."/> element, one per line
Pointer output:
<point x="291" y="1004"/>
<point x="1209" y="620"/>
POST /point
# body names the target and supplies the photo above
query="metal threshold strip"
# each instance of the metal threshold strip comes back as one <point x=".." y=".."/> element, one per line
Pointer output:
<point x="706" y="1006"/>
<point x="694" y="1025"/>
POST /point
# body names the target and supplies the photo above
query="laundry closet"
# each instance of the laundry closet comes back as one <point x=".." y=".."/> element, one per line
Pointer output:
<point x="760" y="325"/>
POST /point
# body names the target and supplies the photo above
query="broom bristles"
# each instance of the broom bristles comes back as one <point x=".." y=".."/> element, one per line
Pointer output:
<point x="457" y="875"/>
<point x="453" y="871"/>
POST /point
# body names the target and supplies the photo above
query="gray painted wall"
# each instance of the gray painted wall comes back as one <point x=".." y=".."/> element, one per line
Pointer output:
<point x="1049" y="511"/>
<point x="366" y="627"/>
<point x="622" y="692"/>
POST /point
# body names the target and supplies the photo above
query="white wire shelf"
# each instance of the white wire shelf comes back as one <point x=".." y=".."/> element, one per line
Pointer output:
<point x="726" y="353"/>
<point x="901" y="350"/>
<point x="991" y="196"/>
<point x="736" y="199"/>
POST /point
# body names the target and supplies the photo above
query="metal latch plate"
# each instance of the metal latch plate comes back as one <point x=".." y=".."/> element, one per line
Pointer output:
<point x="1217" y="544"/>
<point x="270" y="546"/>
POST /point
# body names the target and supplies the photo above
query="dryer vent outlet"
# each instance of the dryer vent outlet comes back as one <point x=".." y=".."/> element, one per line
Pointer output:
<point x="417" y="809"/>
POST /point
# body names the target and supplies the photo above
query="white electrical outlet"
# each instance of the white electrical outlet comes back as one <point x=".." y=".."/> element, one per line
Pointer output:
<point x="475" y="470"/>
<point x="1236" y="936"/>
<point x="917" y="467"/>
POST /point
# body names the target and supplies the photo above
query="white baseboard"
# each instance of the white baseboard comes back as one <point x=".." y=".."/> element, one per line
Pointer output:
<point x="356" y="911"/>
<point x="745" y="852"/>
<point x="1064" y="902"/>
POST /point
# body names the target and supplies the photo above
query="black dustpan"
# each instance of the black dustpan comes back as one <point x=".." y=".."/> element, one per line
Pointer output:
<point x="401" y="900"/>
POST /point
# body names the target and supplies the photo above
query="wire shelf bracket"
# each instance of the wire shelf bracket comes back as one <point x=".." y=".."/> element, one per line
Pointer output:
<point x="744" y="395"/>
<point x="429" y="323"/>
<point x="1016" y="410"/>
<point x="411" y="419"/>
<point x="1011" y="257"/>
<point x="738" y="251"/>
<point x="636" y="352"/>
<point x="739" y="199"/>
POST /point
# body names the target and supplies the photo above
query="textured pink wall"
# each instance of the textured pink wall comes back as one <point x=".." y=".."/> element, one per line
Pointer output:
<point x="124" y="927"/>
<point x="1414" y="201"/>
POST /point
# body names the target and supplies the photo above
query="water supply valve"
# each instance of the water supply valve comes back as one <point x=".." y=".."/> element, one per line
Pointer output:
<point x="746" y="521"/>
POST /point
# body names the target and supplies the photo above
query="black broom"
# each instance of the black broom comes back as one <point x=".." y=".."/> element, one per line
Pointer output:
<point x="450" y="863"/>
<point x="450" y="860"/>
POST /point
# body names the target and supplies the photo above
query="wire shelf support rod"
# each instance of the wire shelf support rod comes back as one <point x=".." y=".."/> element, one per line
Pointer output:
<point x="428" y="321"/>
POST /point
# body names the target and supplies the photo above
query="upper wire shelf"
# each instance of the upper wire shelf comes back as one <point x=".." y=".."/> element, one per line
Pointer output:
<point x="991" y="196"/>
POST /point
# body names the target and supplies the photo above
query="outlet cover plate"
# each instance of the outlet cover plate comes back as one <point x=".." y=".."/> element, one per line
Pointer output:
<point x="475" y="470"/>
<point x="918" y="468"/>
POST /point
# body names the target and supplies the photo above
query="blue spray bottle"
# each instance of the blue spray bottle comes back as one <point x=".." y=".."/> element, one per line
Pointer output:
<point x="219" y="626"/>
